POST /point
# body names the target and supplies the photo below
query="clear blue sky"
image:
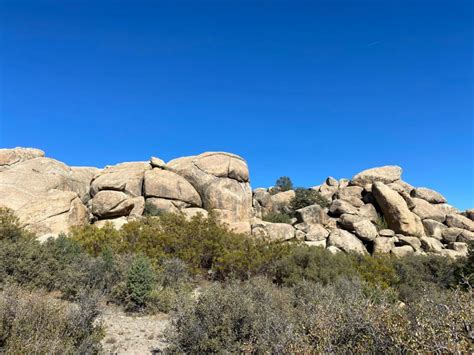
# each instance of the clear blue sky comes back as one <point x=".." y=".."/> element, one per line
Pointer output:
<point x="299" y="88"/>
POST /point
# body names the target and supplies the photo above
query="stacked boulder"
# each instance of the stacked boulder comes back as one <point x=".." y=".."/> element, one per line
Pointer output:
<point x="47" y="195"/>
<point x="374" y="212"/>
<point x="417" y="220"/>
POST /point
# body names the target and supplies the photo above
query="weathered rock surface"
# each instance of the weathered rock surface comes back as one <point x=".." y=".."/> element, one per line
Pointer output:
<point x="426" y="210"/>
<point x="222" y="181"/>
<point x="9" y="157"/>
<point x="428" y="195"/>
<point x="385" y="174"/>
<point x="166" y="184"/>
<point x="125" y="177"/>
<point x="53" y="213"/>
<point x="339" y="207"/>
<point x="313" y="214"/>
<point x="459" y="221"/>
<point x="384" y="245"/>
<point x="395" y="210"/>
<point x="274" y="231"/>
<point x="346" y="241"/>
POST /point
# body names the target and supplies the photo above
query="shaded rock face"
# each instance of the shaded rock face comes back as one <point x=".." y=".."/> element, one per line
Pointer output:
<point x="374" y="212"/>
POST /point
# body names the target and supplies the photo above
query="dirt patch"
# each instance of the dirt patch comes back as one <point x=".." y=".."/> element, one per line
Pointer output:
<point x="132" y="334"/>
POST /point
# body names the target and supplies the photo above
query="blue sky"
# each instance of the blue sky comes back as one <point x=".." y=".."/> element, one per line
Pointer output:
<point x="299" y="88"/>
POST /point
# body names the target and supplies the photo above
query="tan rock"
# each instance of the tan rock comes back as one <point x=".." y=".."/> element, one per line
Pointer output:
<point x="466" y="236"/>
<point x="414" y="242"/>
<point x="383" y="245"/>
<point x="395" y="210"/>
<point x="166" y="184"/>
<point x="428" y="195"/>
<point x="339" y="207"/>
<point x="346" y="241"/>
<point x="313" y="214"/>
<point x="434" y="229"/>
<point x="157" y="163"/>
<point x="108" y="204"/>
<point x="426" y="210"/>
<point x="363" y="228"/>
<point x="125" y="177"/>
<point x="9" y="157"/>
<point x="53" y="213"/>
<point x="274" y="231"/>
<point x="459" y="221"/>
<point x="221" y="180"/>
<point x="281" y="201"/>
<point x="401" y="187"/>
<point x="402" y="251"/>
<point x="431" y="245"/>
<point x="163" y="205"/>
<point x="450" y="234"/>
<point x="384" y="174"/>
<point x="369" y="212"/>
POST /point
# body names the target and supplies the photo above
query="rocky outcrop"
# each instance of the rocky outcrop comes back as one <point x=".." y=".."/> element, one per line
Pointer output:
<point x="376" y="211"/>
<point x="222" y="181"/>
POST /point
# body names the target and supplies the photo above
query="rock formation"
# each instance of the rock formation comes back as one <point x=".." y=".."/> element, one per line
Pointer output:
<point x="374" y="212"/>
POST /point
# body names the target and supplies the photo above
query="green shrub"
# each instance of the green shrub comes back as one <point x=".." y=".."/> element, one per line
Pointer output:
<point x="307" y="197"/>
<point x="151" y="210"/>
<point x="140" y="282"/>
<point x="35" y="323"/>
<point x="277" y="217"/>
<point x="312" y="264"/>
<point x="203" y="244"/>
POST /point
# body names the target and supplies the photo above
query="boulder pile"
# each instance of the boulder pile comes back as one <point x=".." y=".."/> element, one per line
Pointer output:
<point x="374" y="212"/>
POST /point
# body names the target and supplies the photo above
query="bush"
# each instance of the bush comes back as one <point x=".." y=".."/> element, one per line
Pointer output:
<point x="35" y="323"/>
<point x="258" y="317"/>
<point x="312" y="264"/>
<point x="140" y="283"/>
<point x="307" y="197"/>
<point x="203" y="244"/>
<point x="276" y="217"/>
<point x="151" y="210"/>
<point x="253" y="317"/>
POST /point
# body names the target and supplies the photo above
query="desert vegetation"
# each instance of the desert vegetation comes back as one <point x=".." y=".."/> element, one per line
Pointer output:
<point x="255" y="296"/>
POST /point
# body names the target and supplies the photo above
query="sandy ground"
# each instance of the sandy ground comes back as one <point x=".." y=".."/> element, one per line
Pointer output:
<point x="132" y="334"/>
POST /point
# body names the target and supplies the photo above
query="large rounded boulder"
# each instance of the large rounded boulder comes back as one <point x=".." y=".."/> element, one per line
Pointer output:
<point x="222" y="181"/>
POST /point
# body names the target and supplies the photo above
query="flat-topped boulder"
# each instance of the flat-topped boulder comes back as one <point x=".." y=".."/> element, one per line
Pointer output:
<point x="386" y="174"/>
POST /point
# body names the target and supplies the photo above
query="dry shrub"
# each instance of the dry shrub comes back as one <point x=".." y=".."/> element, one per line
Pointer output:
<point x="35" y="323"/>
<point x="259" y="317"/>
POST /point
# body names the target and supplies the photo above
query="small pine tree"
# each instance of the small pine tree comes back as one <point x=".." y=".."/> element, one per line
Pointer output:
<point x="140" y="281"/>
<point x="284" y="183"/>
